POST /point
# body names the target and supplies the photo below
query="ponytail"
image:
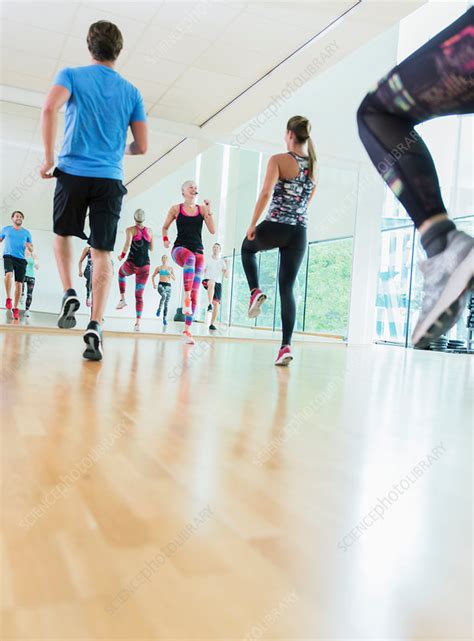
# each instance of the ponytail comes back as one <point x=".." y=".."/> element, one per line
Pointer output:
<point x="301" y="127"/>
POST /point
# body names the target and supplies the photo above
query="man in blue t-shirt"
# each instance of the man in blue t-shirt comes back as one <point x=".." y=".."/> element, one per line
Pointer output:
<point x="100" y="107"/>
<point x="17" y="239"/>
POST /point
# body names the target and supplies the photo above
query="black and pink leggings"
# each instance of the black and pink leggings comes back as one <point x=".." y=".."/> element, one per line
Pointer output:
<point x="141" y="276"/>
<point x="436" y="80"/>
<point x="193" y="269"/>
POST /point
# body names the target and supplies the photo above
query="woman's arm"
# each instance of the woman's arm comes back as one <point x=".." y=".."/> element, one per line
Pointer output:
<point x="154" y="276"/>
<point x="128" y="242"/>
<point x="271" y="178"/>
<point x="172" y="273"/>
<point x="168" y="220"/>
<point x="150" y="231"/>
<point x="207" y="215"/>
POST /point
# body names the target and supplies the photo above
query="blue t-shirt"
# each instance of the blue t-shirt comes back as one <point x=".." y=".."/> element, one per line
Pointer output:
<point x="100" y="108"/>
<point x="15" y="241"/>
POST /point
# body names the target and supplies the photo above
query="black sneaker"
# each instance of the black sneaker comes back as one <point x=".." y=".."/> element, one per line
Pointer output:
<point x="69" y="307"/>
<point x="93" y="340"/>
<point x="213" y="328"/>
<point x="209" y="308"/>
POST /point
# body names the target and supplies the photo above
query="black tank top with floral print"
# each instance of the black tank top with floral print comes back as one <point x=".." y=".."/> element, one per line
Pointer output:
<point x="290" y="196"/>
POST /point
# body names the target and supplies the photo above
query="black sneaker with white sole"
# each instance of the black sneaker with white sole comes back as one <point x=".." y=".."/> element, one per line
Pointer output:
<point x="93" y="340"/>
<point x="213" y="328"/>
<point x="69" y="307"/>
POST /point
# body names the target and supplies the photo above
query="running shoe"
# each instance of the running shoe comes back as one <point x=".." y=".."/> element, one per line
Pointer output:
<point x="88" y="302"/>
<point x="187" y="308"/>
<point x="165" y="322"/>
<point x="26" y="314"/>
<point x="69" y="307"/>
<point x="213" y="328"/>
<point x="136" y="327"/>
<point x="284" y="356"/>
<point x="16" y="313"/>
<point x="93" y="340"/>
<point x="8" y="303"/>
<point x="121" y="304"/>
<point x="257" y="298"/>
<point x="188" y="337"/>
<point x="209" y="308"/>
<point x="447" y="278"/>
<point x="158" y="312"/>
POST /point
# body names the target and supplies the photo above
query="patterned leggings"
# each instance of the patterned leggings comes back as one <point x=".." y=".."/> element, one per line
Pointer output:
<point x="193" y="269"/>
<point x="436" y="80"/>
<point x="164" y="290"/>
<point x="30" y="285"/>
<point x="88" y="277"/>
<point x="141" y="276"/>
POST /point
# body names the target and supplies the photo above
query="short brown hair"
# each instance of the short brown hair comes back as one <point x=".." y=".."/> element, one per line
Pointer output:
<point x="17" y="211"/>
<point x="104" y="41"/>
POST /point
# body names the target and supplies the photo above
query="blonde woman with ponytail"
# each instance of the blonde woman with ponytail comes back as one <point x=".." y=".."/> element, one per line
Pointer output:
<point x="289" y="181"/>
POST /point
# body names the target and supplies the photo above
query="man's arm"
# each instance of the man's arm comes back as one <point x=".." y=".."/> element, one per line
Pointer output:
<point x="56" y="98"/>
<point x="139" y="145"/>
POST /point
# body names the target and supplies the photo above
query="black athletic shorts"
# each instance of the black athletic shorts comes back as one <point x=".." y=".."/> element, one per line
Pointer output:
<point x="16" y="265"/>
<point x="102" y="196"/>
<point x="217" y="290"/>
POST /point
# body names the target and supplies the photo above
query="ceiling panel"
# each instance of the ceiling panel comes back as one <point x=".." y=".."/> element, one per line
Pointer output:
<point x="31" y="39"/>
<point x="35" y="65"/>
<point x="157" y="43"/>
<point x="137" y="11"/>
<point x="54" y="16"/>
<point x="159" y="70"/>
<point x="86" y="15"/>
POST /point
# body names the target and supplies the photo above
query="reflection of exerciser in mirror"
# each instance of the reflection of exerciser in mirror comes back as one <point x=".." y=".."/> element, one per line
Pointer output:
<point x="86" y="255"/>
<point x="216" y="270"/>
<point x="30" y="280"/>
<point x="166" y="273"/>
<point x="188" y="250"/>
<point x="139" y="240"/>
<point x="17" y="240"/>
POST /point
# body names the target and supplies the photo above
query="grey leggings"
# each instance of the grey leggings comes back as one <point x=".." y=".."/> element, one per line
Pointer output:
<point x="164" y="290"/>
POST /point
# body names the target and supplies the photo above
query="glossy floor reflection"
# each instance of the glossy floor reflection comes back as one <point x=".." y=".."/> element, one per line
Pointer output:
<point x="176" y="492"/>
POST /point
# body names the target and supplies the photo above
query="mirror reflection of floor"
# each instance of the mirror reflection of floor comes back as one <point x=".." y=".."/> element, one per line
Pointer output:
<point x="43" y="320"/>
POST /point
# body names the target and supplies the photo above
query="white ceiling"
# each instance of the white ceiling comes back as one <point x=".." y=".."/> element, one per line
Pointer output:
<point x="189" y="60"/>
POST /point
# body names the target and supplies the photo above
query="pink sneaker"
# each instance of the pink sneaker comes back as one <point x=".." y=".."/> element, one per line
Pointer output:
<point x="16" y="313"/>
<point x="257" y="298"/>
<point x="8" y="304"/>
<point x="284" y="356"/>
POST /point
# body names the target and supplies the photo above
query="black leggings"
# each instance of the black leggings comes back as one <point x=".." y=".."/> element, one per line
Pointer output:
<point x="30" y="285"/>
<point x="436" y="80"/>
<point x="291" y="241"/>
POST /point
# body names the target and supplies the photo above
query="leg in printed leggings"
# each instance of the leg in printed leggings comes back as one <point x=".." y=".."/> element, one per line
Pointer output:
<point x="88" y="277"/>
<point x="141" y="277"/>
<point x="126" y="269"/>
<point x="165" y="293"/>
<point x="436" y="80"/>
<point x="193" y="266"/>
<point x="30" y="284"/>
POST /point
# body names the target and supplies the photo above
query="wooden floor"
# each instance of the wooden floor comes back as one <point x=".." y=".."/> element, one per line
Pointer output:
<point x="184" y="493"/>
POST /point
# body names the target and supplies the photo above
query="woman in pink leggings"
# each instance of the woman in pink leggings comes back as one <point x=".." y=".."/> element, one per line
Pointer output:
<point x="188" y="250"/>
<point x="139" y="240"/>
